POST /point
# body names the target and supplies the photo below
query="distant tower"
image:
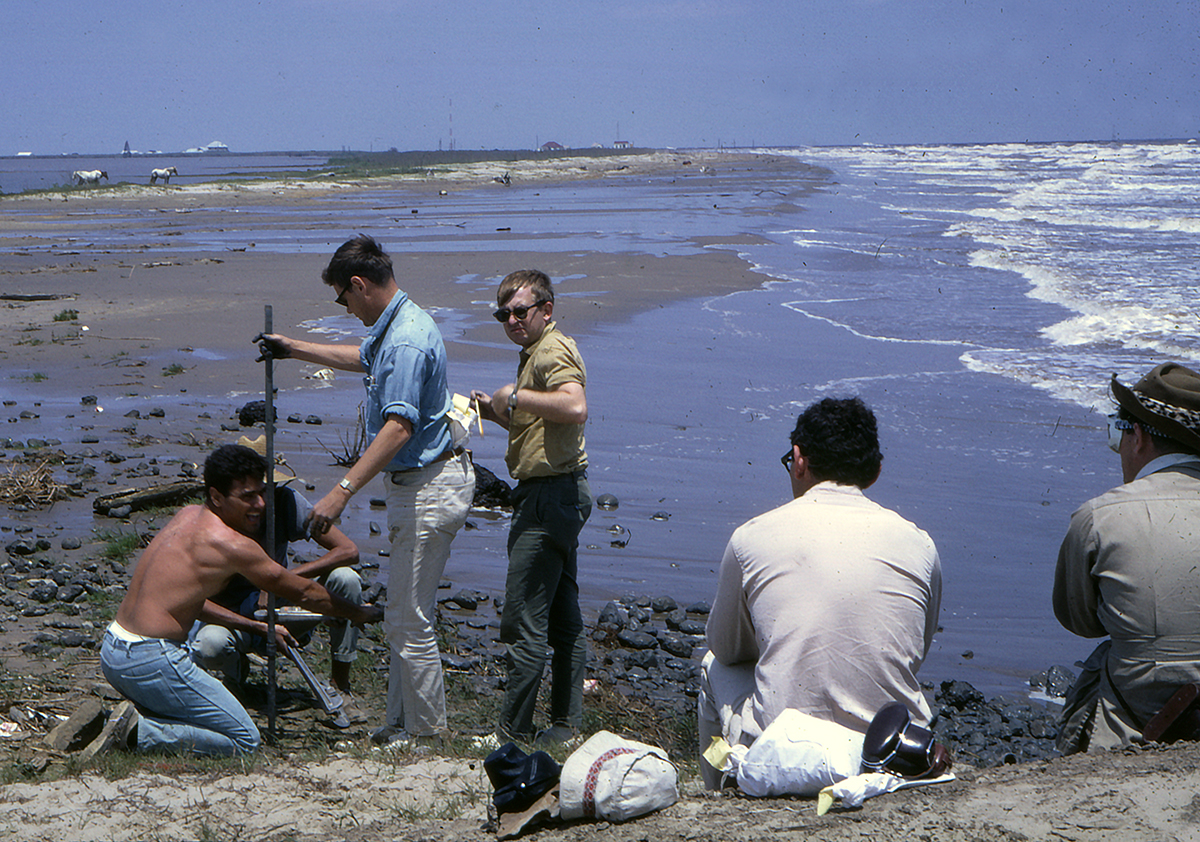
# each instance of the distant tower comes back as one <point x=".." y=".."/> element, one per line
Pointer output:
<point x="451" y="125"/>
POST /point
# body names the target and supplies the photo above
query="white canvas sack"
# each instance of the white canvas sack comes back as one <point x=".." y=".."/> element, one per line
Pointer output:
<point x="616" y="779"/>
<point x="799" y="754"/>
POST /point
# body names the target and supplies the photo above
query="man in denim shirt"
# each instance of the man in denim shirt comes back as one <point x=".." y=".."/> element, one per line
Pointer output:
<point x="430" y="483"/>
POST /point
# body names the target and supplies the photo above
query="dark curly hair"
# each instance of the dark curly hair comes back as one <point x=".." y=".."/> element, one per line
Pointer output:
<point x="231" y="462"/>
<point x="840" y="439"/>
<point x="361" y="256"/>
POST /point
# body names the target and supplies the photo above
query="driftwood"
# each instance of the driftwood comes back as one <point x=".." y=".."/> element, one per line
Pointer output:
<point x="145" y="498"/>
<point x="33" y="296"/>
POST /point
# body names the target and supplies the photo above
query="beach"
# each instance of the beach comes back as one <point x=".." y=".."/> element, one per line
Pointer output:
<point x="695" y="375"/>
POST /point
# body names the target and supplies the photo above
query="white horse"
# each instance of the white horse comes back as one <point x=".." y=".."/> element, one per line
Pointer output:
<point x="89" y="176"/>
<point x="164" y="174"/>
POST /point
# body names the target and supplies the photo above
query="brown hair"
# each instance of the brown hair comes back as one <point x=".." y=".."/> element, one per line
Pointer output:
<point x="537" y="281"/>
<point x="361" y="256"/>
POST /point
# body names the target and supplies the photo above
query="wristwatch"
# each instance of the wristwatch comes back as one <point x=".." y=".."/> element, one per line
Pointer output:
<point x="512" y="401"/>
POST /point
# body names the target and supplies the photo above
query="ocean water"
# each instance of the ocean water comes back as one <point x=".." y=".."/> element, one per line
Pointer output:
<point x="978" y="298"/>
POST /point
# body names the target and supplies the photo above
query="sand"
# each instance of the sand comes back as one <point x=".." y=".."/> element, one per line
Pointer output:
<point x="162" y="306"/>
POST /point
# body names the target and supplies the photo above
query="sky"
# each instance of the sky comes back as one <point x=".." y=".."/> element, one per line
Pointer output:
<point x="372" y="74"/>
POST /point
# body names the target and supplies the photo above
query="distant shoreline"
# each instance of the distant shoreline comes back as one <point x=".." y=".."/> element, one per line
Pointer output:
<point x="446" y="169"/>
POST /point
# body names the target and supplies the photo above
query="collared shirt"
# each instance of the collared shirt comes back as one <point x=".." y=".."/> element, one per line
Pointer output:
<point x="1167" y="460"/>
<point x="537" y="447"/>
<point x="835" y="600"/>
<point x="405" y="361"/>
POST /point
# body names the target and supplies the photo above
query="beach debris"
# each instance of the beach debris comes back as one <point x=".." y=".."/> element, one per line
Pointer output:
<point x="169" y="494"/>
<point x="660" y="516"/>
<point x="353" y="444"/>
<point x="322" y="374"/>
<point x="607" y="502"/>
<point x="624" y="535"/>
<point x="31" y="484"/>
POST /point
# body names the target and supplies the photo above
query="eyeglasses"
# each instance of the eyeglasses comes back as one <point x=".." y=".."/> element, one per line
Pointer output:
<point x="503" y="314"/>
<point x="786" y="460"/>
<point x="1117" y="427"/>
<point x="341" y="299"/>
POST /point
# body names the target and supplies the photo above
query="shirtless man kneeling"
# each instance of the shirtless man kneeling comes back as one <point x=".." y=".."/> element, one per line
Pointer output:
<point x="179" y="706"/>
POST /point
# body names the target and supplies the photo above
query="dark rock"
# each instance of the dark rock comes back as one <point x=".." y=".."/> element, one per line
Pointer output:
<point x="642" y="658"/>
<point x="674" y="618"/>
<point x="315" y="420"/>
<point x="700" y="607"/>
<point x="607" y="502"/>
<point x="21" y="547"/>
<point x="960" y="695"/>
<point x="88" y="400"/>
<point x="637" y="639"/>
<point x="70" y="592"/>
<point x="676" y="645"/>
<point x="157" y="412"/>
<point x="133" y="413"/>
<point x="468" y="599"/>
<point x="71" y="543"/>
<point x="491" y="492"/>
<point x="43" y="590"/>
<point x="1059" y="680"/>
<point x="120" y="512"/>
<point x="663" y="604"/>
<point x="694" y="627"/>
<point x="253" y="413"/>
<point x="295" y="418"/>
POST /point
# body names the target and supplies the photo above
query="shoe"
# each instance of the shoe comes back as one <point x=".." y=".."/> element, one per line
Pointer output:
<point x="121" y="723"/>
<point x="557" y="735"/>
<point x="349" y="714"/>
<point x="385" y="734"/>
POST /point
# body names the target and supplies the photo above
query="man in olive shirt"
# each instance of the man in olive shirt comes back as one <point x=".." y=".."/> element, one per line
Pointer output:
<point x="544" y="412"/>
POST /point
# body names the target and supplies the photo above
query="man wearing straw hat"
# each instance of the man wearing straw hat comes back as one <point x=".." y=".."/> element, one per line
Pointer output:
<point x="144" y="655"/>
<point x="1129" y="568"/>
<point x="231" y="630"/>
<point x="430" y="481"/>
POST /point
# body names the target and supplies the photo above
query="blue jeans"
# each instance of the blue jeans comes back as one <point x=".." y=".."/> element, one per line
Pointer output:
<point x="181" y="707"/>
<point x="541" y="602"/>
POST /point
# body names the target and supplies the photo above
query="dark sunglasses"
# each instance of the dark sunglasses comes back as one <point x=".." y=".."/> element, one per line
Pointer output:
<point x="502" y="315"/>
<point x="341" y="299"/>
<point x="786" y="460"/>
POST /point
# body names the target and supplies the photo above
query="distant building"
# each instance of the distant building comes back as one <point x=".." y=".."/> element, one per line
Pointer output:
<point x="551" y="146"/>
<point x="216" y="146"/>
<point x="621" y="144"/>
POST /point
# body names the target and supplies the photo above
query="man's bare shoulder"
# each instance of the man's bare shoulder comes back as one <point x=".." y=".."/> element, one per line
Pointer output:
<point x="197" y="530"/>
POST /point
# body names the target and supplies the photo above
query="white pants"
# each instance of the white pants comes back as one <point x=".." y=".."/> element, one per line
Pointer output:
<point x="725" y="709"/>
<point x="425" y="508"/>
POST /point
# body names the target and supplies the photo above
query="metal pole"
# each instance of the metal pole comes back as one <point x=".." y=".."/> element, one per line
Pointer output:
<point x="269" y="515"/>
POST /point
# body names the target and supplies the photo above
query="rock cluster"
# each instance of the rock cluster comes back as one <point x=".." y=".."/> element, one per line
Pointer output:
<point x="981" y="733"/>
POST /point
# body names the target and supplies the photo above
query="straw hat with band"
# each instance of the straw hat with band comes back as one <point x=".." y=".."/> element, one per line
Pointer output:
<point x="1167" y="399"/>
<point x="259" y="446"/>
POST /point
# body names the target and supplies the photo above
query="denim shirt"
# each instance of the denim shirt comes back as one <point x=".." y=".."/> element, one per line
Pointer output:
<point x="405" y="362"/>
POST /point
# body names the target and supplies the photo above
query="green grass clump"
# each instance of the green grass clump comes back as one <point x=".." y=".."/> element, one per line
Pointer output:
<point x="67" y="316"/>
